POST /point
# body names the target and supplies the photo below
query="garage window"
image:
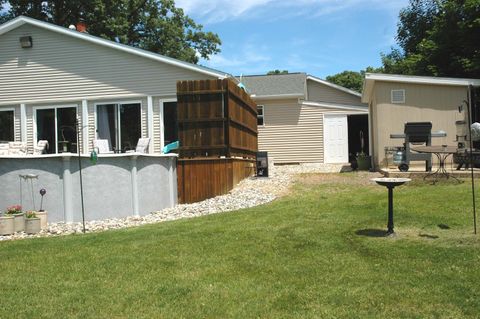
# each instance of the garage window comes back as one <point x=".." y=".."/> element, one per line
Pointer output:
<point x="260" y="115"/>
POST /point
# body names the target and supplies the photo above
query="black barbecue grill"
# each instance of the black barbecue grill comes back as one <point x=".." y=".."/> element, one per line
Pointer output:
<point x="417" y="133"/>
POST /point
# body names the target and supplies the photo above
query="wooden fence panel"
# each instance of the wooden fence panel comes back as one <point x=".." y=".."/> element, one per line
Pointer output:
<point x="216" y="118"/>
<point x="199" y="179"/>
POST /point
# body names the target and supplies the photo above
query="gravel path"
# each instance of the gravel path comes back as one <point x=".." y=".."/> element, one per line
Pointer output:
<point x="250" y="192"/>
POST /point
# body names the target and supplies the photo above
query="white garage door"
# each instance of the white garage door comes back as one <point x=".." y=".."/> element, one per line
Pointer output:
<point x="335" y="138"/>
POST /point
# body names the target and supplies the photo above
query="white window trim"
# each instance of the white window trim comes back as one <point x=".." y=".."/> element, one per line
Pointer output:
<point x="96" y="104"/>
<point x="162" y="127"/>
<point x="9" y="109"/>
<point x="397" y="90"/>
<point x="55" y="107"/>
<point x="263" y="114"/>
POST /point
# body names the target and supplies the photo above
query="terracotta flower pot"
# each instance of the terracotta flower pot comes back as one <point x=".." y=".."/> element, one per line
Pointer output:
<point x="19" y="221"/>
<point x="43" y="215"/>
<point x="32" y="225"/>
<point x="7" y="225"/>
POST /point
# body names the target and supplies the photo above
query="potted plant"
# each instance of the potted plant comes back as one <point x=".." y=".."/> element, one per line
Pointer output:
<point x="19" y="216"/>
<point x="7" y="225"/>
<point x="32" y="223"/>
<point x="363" y="161"/>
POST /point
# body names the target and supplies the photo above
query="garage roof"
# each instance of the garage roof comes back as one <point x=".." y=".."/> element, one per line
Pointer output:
<point x="278" y="85"/>
<point x="371" y="78"/>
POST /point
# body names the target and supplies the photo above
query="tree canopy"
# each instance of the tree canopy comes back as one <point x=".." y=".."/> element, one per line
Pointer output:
<point x="154" y="25"/>
<point x="352" y="80"/>
<point x="438" y="38"/>
<point x="276" y="72"/>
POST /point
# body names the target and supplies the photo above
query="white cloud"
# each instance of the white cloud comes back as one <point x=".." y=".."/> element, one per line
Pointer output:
<point x="214" y="11"/>
<point x="247" y="58"/>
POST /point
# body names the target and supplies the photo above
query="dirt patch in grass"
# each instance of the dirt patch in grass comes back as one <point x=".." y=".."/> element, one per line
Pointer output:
<point x="361" y="178"/>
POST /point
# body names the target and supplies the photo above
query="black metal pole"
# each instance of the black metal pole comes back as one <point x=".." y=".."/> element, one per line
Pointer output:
<point x="469" y="106"/>
<point x="80" y="171"/>
<point x="390" y="211"/>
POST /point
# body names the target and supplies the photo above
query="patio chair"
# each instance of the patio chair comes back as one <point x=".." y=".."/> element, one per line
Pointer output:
<point x="142" y="145"/>
<point x="4" y="148"/>
<point x="17" y="148"/>
<point x="41" y="147"/>
<point x="102" y="146"/>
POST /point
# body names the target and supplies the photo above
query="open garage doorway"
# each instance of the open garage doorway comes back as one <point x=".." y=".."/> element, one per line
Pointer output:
<point x="358" y="126"/>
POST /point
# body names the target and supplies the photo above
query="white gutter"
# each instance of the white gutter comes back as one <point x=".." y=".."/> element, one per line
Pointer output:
<point x="358" y="108"/>
<point x="276" y="96"/>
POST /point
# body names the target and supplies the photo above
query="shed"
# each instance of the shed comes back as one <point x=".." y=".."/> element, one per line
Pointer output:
<point x="394" y="100"/>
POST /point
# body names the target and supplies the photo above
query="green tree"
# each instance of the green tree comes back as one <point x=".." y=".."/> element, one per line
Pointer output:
<point x="154" y="25"/>
<point x="437" y="37"/>
<point x="351" y="79"/>
<point x="276" y="72"/>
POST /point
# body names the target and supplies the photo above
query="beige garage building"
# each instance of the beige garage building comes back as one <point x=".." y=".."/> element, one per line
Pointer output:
<point x="394" y="100"/>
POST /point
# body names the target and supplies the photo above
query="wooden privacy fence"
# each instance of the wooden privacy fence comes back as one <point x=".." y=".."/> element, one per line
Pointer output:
<point x="215" y="118"/>
<point x="217" y="130"/>
<point x="203" y="178"/>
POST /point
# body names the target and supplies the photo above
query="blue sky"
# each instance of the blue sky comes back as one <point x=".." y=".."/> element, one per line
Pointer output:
<point x="320" y="37"/>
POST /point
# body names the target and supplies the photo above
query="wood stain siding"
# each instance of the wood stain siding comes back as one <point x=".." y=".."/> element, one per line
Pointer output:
<point x="59" y="67"/>
<point x="431" y="103"/>
<point x="292" y="133"/>
<point x="318" y="92"/>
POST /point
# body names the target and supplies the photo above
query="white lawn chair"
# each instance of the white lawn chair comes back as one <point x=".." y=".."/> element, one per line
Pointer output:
<point x="4" y="149"/>
<point x="102" y="146"/>
<point x="142" y="145"/>
<point x="41" y="147"/>
<point x="17" y="148"/>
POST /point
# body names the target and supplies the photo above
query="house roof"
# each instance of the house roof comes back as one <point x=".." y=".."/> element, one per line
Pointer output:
<point x="332" y="85"/>
<point x="371" y="78"/>
<point x="278" y="85"/>
<point x="21" y="20"/>
<point x="285" y="85"/>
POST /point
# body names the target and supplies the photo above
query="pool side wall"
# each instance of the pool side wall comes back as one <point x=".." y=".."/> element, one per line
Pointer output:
<point x="117" y="186"/>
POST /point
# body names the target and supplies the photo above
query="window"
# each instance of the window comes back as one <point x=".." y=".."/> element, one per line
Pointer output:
<point x="7" y="130"/>
<point x="57" y="125"/>
<point x="170" y="122"/>
<point x="120" y="124"/>
<point x="260" y="115"/>
<point x="398" y="96"/>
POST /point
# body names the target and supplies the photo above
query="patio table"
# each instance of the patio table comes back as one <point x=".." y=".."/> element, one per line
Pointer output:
<point x="442" y="153"/>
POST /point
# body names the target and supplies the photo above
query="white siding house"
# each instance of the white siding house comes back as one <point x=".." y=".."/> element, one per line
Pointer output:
<point x="54" y="80"/>
<point x="68" y="70"/>
<point x="306" y="119"/>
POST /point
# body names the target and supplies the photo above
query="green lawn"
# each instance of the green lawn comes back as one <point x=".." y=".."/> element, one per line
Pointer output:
<point x="312" y="254"/>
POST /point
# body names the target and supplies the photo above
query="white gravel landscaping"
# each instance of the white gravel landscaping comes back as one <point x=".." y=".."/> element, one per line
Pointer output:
<point x="250" y="192"/>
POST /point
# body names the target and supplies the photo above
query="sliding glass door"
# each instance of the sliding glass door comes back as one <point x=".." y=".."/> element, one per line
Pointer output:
<point x="120" y="125"/>
<point x="57" y="126"/>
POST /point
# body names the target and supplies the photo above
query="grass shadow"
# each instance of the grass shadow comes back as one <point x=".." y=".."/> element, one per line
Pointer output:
<point x="429" y="236"/>
<point x="372" y="232"/>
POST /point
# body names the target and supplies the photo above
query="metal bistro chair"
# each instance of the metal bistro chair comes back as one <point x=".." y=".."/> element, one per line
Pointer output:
<point x="417" y="133"/>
